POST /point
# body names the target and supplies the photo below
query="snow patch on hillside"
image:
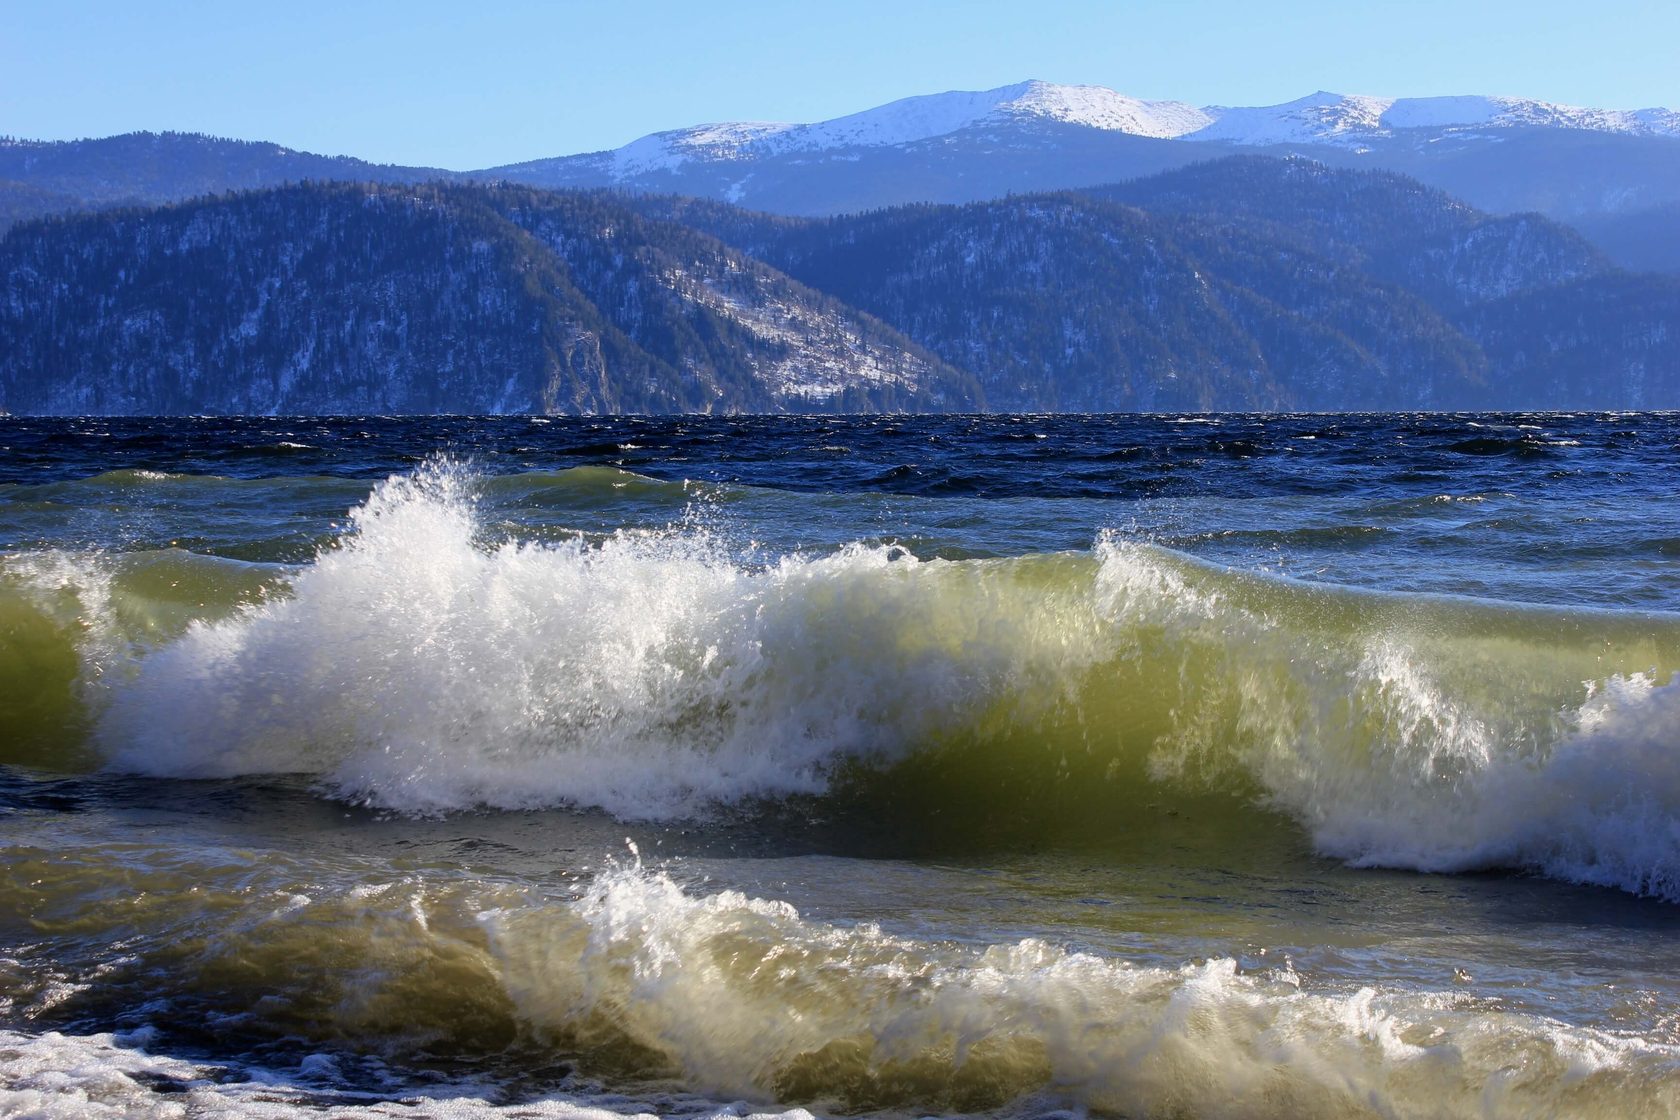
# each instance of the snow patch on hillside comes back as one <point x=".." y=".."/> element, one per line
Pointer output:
<point x="807" y="353"/>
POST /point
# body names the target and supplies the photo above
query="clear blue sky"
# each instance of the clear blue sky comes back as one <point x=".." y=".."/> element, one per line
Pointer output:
<point x="466" y="85"/>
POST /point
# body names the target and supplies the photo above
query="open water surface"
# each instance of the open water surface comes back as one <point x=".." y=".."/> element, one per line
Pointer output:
<point x="1291" y="766"/>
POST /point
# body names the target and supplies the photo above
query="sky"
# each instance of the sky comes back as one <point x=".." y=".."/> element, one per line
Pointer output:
<point x="443" y="83"/>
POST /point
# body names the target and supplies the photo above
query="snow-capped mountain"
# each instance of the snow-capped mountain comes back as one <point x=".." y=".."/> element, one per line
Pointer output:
<point x="1499" y="153"/>
<point x="1608" y="169"/>
<point x="1319" y="118"/>
<point x="1342" y="119"/>
<point x="912" y="119"/>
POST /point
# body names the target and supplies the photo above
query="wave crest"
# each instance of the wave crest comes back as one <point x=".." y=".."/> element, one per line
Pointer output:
<point x="420" y="667"/>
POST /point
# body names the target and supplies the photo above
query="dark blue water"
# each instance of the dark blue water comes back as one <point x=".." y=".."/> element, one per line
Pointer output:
<point x="983" y="456"/>
<point x="1551" y="508"/>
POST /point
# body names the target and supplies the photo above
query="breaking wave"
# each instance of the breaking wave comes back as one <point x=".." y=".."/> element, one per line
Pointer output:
<point x="421" y="667"/>
<point x="743" y="998"/>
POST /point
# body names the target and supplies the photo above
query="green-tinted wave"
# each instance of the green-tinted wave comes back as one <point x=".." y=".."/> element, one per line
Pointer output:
<point x="420" y="668"/>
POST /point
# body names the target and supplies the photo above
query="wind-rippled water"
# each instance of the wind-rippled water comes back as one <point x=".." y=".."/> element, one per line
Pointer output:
<point x="1141" y="766"/>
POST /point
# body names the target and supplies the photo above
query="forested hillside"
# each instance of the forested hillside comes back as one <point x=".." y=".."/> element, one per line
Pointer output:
<point x="1067" y="303"/>
<point x="53" y="176"/>
<point x="1393" y="228"/>
<point x="1313" y="287"/>
<point x="1242" y="284"/>
<point x="343" y="298"/>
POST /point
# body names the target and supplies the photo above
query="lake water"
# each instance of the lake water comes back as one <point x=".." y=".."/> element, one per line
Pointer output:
<point x="1290" y="766"/>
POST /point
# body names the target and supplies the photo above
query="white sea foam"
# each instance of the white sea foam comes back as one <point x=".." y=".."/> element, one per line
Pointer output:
<point x="418" y="668"/>
<point x="650" y="676"/>
<point x="1599" y="806"/>
<point x="56" y="1076"/>
<point x="750" y="999"/>
<point x="1433" y="737"/>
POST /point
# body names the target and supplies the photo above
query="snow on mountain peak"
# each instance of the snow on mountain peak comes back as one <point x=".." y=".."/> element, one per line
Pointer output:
<point x="663" y="151"/>
<point x="939" y="114"/>
<point x="1319" y="118"/>
<point x="1103" y="108"/>
<point x="1447" y="112"/>
<point x="914" y="118"/>
<point x="909" y="119"/>
<point x="1333" y="118"/>
<point x="1442" y="112"/>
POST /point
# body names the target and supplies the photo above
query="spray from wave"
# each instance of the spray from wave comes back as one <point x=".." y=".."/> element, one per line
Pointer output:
<point x="417" y="668"/>
<point x="420" y="667"/>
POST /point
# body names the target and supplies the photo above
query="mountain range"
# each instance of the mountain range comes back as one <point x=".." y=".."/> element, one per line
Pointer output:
<point x="1249" y="283"/>
<point x="1613" y="174"/>
<point x="1357" y="124"/>
<point x="1611" y="170"/>
<point x="1033" y="247"/>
